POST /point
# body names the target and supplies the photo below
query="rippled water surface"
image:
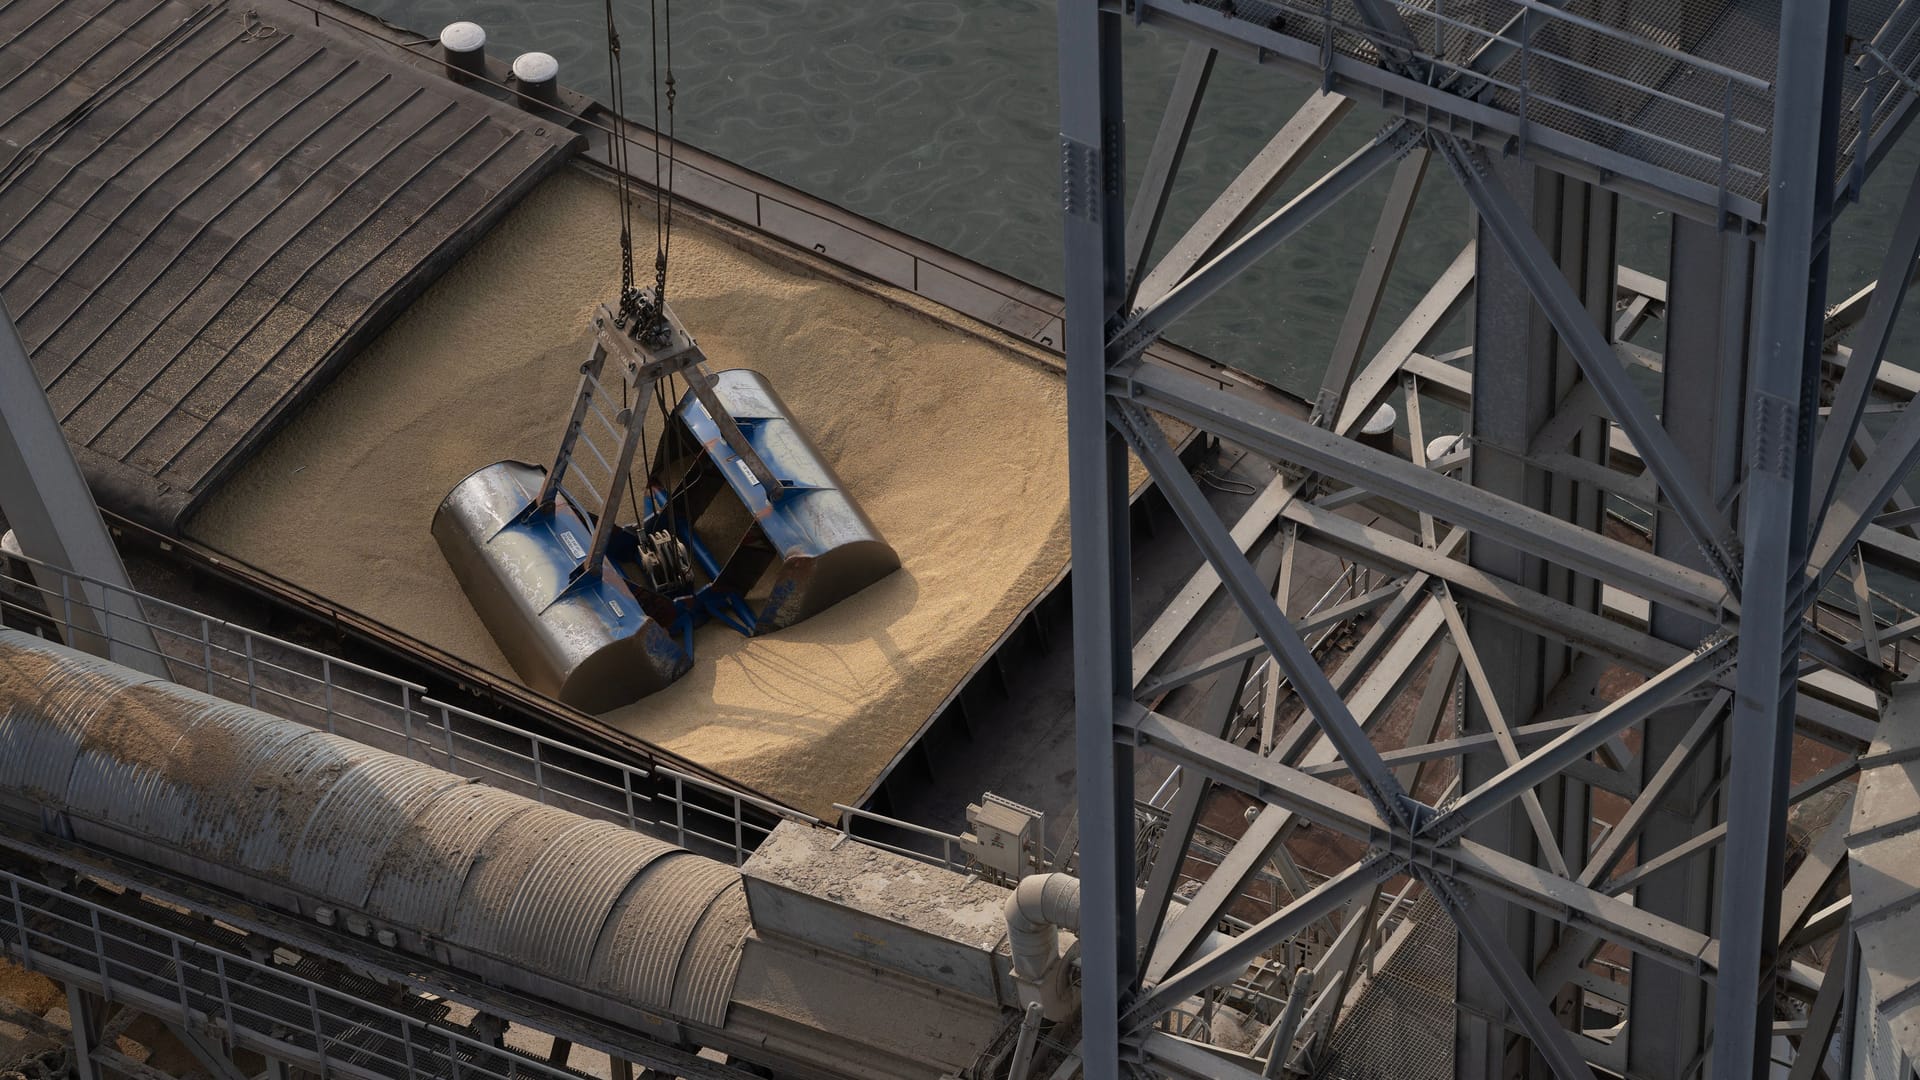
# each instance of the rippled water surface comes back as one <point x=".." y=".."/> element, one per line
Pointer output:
<point x="938" y="117"/>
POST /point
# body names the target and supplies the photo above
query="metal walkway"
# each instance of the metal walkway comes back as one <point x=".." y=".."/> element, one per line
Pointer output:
<point x="186" y="970"/>
<point x="1401" y="1024"/>
<point x="1666" y="100"/>
<point x="205" y="208"/>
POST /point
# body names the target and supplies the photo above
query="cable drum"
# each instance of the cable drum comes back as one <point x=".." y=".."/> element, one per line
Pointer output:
<point x="482" y="917"/>
<point x="531" y="897"/>
<point x="711" y="961"/>
<point x="650" y="931"/>
<point x="282" y="795"/>
<point x="585" y="870"/>
<point x="175" y="793"/>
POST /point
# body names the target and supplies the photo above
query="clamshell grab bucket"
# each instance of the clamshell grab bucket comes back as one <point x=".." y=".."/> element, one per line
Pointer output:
<point x="740" y="519"/>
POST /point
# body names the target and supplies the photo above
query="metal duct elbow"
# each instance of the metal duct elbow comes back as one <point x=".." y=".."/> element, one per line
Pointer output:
<point x="1041" y="906"/>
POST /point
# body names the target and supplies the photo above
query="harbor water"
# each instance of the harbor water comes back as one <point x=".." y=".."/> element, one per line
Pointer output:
<point x="939" y="118"/>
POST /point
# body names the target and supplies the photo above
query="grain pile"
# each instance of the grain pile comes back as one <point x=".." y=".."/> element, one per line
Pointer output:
<point x="26" y="990"/>
<point x="955" y="447"/>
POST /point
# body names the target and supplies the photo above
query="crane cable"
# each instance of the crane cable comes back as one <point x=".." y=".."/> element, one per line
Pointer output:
<point x="643" y="317"/>
<point x="663" y="201"/>
<point x="617" y="157"/>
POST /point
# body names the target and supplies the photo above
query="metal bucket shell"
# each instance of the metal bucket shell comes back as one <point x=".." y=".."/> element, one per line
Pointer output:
<point x="590" y="646"/>
<point x="826" y="547"/>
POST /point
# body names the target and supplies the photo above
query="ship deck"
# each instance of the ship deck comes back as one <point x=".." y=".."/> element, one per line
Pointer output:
<point x="286" y="284"/>
<point x="953" y="443"/>
<point x="206" y="208"/>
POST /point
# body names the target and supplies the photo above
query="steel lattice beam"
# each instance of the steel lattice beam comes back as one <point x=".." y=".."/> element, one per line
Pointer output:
<point x="1553" y="603"/>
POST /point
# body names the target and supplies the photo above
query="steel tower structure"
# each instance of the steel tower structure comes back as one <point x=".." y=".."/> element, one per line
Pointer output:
<point x="1755" y="611"/>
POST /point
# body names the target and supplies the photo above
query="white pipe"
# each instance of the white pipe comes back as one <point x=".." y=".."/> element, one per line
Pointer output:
<point x="1023" y="1049"/>
<point x="1282" y="1032"/>
<point x="1041" y="906"/>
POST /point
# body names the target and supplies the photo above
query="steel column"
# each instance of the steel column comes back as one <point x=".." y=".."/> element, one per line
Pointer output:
<point x="1505" y="224"/>
<point x="1782" y="388"/>
<point x="1708" y="307"/>
<point x="1091" y="143"/>
<point x="86" y="1022"/>
<point x="51" y="509"/>
<point x="1524" y="368"/>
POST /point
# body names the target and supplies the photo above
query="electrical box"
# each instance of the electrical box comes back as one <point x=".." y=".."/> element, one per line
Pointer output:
<point x="1005" y="836"/>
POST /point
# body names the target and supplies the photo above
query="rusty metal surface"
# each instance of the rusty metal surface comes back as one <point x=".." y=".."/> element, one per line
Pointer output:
<point x="303" y="819"/>
<point x="205" y="208"/>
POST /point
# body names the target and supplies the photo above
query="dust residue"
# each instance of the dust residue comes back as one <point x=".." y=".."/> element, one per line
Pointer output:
<point x="142" y="726"/>
<point x="24" y="674"/>
<point x="955" y="447"/>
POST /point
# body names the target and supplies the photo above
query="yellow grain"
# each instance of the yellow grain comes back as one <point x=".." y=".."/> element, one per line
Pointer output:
<point x="955" y="447"/>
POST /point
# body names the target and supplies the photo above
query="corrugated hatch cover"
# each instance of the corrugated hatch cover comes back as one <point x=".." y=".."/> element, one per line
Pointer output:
<point x="206" y="208"/>
<point x="237" y="797"/>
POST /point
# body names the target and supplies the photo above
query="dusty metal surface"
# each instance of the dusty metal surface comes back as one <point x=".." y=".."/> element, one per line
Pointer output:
<point x="1885" y="878"/>
<point x="649" y="973"/>
<point x="204" y="209"/>
<point x="152" y="767"/>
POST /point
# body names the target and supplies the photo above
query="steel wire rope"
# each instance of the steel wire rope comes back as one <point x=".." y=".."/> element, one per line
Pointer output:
<point x="645" y="320"/>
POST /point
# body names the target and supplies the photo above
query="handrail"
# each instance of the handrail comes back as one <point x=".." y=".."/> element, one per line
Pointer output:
<point x="396" y="714"/>
<point x="261" y="1004"/>
<point x="1639" y="41"/>
<point x="144" y="599"/>
<point x="1701" y="131"/>
<point x="948" y="840"/>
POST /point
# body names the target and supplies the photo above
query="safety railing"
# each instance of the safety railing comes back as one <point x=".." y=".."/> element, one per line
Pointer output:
<point x="258" y="1005"/>
<point x="233" y="662"/>
<point x="1616" y="88"/>
<point x="1886" y="67"/>
<point x="1836" y="614"/>
<point x="1354" y="580"/>
<point x="1839" y="616"/>
<point x="1205" y="850"/>
<point x="952" y="855"/>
